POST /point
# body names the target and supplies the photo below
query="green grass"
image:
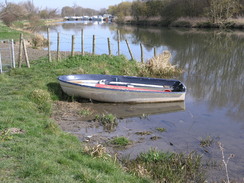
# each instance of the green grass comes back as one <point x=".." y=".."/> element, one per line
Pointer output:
<point x="120" y="141"/>
<point x="8" y="33"/>
<point x="206" y="142"/>
<point x="85" y="112"/>
<point x="168" y="167"/>
<point x="161" y="129"/>
<point x="108" y="121"/>
<point x="43" y="152"/>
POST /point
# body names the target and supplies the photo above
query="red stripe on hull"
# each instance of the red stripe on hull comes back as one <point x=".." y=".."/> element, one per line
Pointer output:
<point x="127" y="88"/>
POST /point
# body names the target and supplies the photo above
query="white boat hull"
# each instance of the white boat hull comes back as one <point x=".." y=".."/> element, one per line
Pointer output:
<point x="112" y="95"/>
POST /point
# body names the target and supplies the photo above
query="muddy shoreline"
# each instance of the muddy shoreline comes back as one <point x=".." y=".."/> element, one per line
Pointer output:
<point x="71" y="119"/>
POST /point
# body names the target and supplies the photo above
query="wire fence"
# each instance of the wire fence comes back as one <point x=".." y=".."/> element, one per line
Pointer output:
<point x="61" y="45"/>
<point x="79" y="43"/>
<point x="7" y="55"/>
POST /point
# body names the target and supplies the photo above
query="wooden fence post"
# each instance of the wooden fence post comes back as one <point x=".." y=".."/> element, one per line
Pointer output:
<point x="93" y="44"/>
<point x="20" y="50"/>
<point x="142" y="53"/>
<point x="82" y="42"/>
<point x="155" y="52"/>
<point x="109" y="47"/>
<point x="73" y="45"/>
<point x="131" y="55"/>
<point x="49" y="49"/>
<point x="118" y="34"/>
<point x="26" y="54"/>
<point x="58" y="46"/>
<point x="12" y="53"/>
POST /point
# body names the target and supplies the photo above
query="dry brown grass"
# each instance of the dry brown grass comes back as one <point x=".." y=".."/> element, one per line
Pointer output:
<point x="160" y="66"/>
<point x="161" y="61"/>
<point x="95" y="151"/>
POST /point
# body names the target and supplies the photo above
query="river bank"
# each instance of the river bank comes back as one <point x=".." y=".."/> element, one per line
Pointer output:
<point x="187" y="22"/>
<point x="37" y="145"/>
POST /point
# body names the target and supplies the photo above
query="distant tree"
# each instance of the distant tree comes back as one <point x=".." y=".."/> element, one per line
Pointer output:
<point x="12" y="12"/>
<point x="121" y="10"/>
<point x="139" y="9"/>
<point x="67" y="11"/>
<point x="154" y="7"/>
<point x="220" y="11"/>
<point x="29" y="7"/>
<point x="79" y="11"/>
<point x="112" y="9"/>
<point x="103" y="11"/>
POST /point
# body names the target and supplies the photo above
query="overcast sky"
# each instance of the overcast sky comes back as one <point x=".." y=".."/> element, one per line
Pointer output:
<point x="93" y="4"/>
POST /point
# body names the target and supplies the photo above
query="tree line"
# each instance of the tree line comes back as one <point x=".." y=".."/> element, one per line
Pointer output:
<point x="218" y="11"/>
<point x="11" y="12"/>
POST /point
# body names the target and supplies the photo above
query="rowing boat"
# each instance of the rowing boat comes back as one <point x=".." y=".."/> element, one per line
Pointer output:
<point x="127" y="89"/>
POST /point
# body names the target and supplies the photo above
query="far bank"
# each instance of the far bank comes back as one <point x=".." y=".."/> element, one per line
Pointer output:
<point x="188" y="22"/>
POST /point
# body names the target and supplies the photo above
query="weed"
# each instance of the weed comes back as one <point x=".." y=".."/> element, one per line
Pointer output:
<point x="155" y="138"/>
<point x="161" y="129"/>
<point x="120" y="141"/>
<point x="85" y="112"/>
<point x="168" y="167"/>
<point x="42" y="99"/>
<point x="109" y="121"/>
<point x="144" y="133"/>
<point x="207" y="142"/>
<point x="225" y="161"/>
<point x="5" y="135"/>
<point x="52" y="127"/>
<point x="96" y="150"/>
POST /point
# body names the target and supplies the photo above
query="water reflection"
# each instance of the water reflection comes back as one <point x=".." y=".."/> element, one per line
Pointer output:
<point x="213" y="62"/>
<point x="214" y="70"/>
<point x="136" y="110"/>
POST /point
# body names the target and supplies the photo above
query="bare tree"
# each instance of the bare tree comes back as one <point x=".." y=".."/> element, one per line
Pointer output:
<point x="12" y="12"/>
<point x="221" y="10"/>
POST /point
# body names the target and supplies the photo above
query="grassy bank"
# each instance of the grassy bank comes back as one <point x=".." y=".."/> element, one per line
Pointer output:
<point x="34" y="40"/>
<point x="34" y="149"/>
<point x="8" y="33"/>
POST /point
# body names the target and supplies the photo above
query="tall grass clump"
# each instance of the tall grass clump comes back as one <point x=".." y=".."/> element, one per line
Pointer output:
<point x="120" y="141"/>
<point x="167" y="167"/>
<point x="109" y="121"/>
<point x="42" y="99"/>
<point x="160" y="66"/>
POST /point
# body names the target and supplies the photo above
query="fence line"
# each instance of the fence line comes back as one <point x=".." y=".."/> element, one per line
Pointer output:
<point x="82" y="41"/>
<point x="91" y="44"/>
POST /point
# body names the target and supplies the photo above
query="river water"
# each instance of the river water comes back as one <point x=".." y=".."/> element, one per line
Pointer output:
<point x="213" y="64"/>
